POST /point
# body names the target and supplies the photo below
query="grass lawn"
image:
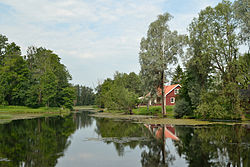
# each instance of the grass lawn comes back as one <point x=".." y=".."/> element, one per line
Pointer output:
<point x="23" y="109"/>
<point x="9" y="113"/>
<point x="154" y="110"/>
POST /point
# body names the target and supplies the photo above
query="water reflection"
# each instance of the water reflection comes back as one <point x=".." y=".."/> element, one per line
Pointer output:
<point x="219" y="145"/>
<point x="51" y="141"/>
<point x="36" y="142"/>
<point x="162" y="131"/>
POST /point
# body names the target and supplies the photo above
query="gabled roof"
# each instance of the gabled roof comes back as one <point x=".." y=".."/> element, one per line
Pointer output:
<point x="168" y="89"/>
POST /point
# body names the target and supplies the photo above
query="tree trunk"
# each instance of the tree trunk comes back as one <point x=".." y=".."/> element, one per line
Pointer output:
<point x="130" y="111"/>
<point x="163" y="95"/>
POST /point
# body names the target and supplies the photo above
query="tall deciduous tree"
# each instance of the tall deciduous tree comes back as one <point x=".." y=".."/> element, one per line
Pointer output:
<point x="14" y="76"/>
<point x="157" y="52"/>
<point x="49" y="78"/>
<point x="3" y="45"/>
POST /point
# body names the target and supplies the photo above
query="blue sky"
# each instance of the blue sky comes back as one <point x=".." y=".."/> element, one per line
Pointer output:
<point x="94" y="38"/>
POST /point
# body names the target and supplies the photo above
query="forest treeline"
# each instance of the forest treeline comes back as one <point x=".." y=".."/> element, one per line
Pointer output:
<point x="36" y="79"/>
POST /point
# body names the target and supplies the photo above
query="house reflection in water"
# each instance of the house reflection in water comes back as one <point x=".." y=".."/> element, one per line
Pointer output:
<point x="158" y="131"/>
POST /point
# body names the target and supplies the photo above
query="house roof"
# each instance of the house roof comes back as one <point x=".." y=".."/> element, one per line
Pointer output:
<point x="168" y="89"/>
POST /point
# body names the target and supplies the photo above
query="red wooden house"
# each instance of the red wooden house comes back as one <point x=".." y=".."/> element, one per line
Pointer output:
<point x="170" y="91"/>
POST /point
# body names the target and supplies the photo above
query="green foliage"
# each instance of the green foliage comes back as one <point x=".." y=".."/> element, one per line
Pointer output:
<point x="242" y="14"/>
<point x="102" y="89"/>
<point x="14" y="76"/>
<point x="67" y="96"/>
<point x="120" y="93"/>
<point x="243" y="71"/>
<point x="49" y="78"/>
<point x="215" y="71"/>
<point x="182" y="108"/>
<point x="84" y="95"/>
<point x="36" y="80"/>
<point x="178" y="75"/>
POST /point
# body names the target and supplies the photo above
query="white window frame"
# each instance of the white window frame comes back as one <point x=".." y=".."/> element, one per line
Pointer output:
<point x="172" y="100"/>
<point x="176" y="91"/>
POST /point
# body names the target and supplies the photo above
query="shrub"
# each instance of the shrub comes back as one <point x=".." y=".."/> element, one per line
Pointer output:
<point x="182" y="108"/>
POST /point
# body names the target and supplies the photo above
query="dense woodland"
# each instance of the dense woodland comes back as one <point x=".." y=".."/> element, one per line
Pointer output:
<point x="34" y="80"/>
<point x="84" y="96"/>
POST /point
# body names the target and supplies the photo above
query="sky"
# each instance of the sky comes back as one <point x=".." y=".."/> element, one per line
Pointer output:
<point x="93" y="38"/>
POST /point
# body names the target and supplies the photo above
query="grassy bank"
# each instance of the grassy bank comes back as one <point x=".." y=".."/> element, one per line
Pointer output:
<point x="154" y="110"/>
<point x="90" y="107"/>
<point x="23" y="109"/>
<point x="9" y="113"/>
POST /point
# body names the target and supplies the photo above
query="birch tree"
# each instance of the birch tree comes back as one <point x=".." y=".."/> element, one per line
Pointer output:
<point x="158" y="50"/>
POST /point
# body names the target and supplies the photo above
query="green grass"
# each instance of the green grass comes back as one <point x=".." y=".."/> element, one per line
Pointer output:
<point x="4" y="116"/>
<point x="9" y="113"/>
<point x="23" y="109"/>
<point x="154" y="110"/>
<point x="115" y="111"/>
<point x="85" y="107"/>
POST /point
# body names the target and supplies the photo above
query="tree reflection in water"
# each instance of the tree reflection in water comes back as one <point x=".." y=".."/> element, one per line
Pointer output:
<point x="157" y="154"/>
<point x="213" y="145"/>
<point x="42" y="141"/>
<point x="154" y="152"/>
<point x="38" y="142"/>
<point x="217" y="145"/>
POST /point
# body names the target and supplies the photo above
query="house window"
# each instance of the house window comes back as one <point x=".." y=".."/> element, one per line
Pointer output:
<point x="172" y="100"/>
<point x="176" y="91"/>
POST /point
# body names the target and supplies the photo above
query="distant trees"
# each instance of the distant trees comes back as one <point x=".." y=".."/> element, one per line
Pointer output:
<point x="120" y="93"/>
<point x="37" y="79"/>
<point x="157" y="52"/>
<point x="84" y="95"/>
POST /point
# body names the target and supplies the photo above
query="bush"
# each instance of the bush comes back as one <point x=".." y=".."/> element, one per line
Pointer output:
<point x="182" y="108"/>
<point x="153" y="110"/>
<point x="216" y="105"/>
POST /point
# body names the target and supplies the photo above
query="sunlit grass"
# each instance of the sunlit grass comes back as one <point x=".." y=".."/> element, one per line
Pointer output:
<point x="23" y="109"/>
<point x="154" y="110"/>
<point x="4" y="116"/>
<point x="85" y="107"/>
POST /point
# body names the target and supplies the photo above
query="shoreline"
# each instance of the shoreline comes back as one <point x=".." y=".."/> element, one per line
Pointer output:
<point x="148" y="119"/>
<point x="10" y="113"/>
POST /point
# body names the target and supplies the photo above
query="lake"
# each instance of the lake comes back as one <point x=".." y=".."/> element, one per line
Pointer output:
<point x="81" y="140"/>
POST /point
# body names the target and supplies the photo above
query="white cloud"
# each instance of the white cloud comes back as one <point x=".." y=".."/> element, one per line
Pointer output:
<point x="89" y="35"/>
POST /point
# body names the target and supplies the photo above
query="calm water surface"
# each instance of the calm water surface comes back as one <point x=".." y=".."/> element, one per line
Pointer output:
<point x="81" y="140"/>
